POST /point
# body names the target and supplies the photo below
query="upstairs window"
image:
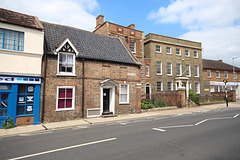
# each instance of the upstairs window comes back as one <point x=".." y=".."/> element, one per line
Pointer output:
<point x="147" y="70"/>
<point x="195" y="54"/>
<point x="208" y="73"/>
<point x="225" y="74"/>
<point x="168" y="50"/>
<point x="66" y="63"/>
<point x="169" y="68"/>
<point x="188" y="70"/>
<point x="217" y="74"/>
<point x="159" y="68"/>
<point x="133" y="46"/>
<point x="178" y="51"/>
<point x="12" y="40"/>
<point x="158" y="49"/>
<point x="196" y="71"/>
<point x="234" y="75"/>
<point x="187" y="53"/>
<point x="179" y="69"/>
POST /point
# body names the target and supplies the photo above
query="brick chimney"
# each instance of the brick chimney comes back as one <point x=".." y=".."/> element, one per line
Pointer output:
<point x="131" y="26"/>
<point x="220" y="60"/>
<point x="99" y="21"/>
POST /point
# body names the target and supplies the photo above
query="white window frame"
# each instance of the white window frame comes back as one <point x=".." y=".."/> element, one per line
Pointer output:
<point x="235" y="75"/>
<point x="225" y="74"/>
<point x="170" y="50"/>
<point x="169" y="74"/>
<point x="171" y="86"/>
<point x="196" y="54"/>
<point x="179" y="69"/>
<point x="187" y="51"/>
<point x="159" y="66"/>
<point x="73" y="67"/>
<point x="196" y="71"/>
<point x="73" y="98"/>
<point x="197" y="88"/>
<point x="189" y="85"/>
<point x="179" y="52"/>
<point x="160" y="47"/>
<point x="209" y="74"/>
<point x="189" y="69"/>
<point x="133" y="50"/>
<point x="120" y="92"/>
<point x="147" y="70"/>
<point x="161" y="89"/>
<point x="219" y="74"/>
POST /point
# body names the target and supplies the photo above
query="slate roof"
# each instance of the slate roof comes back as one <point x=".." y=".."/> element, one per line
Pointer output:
<point x="217" y="65"/>
<point x="11" y="17"/>
<point x="88" y="44"/>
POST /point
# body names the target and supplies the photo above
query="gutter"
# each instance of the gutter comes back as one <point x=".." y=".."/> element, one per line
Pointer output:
<point x="44" y="84"/>
<point x="82" y="87"/>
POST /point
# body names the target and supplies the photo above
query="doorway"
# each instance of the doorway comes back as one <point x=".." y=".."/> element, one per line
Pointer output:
<point x="106" y="99"/>
<point x="4" y="106"/>
<point x="147" y="91"/>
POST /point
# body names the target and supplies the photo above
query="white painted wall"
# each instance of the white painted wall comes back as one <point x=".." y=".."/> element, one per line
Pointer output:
<point x="27" y="62"/>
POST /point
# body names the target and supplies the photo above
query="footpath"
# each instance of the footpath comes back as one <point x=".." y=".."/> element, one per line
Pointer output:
<point x="120" y="118"/>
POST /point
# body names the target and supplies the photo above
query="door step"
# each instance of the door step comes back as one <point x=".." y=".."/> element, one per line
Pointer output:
<point x="108" y="114"/>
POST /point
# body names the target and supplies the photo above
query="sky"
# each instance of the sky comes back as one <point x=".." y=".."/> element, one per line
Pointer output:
<point x="214" y="23"/>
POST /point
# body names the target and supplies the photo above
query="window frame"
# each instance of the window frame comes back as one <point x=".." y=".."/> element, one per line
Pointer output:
<point x="196" y="70"/>
<point x="180" y="69"/>
<point x="187" y="51"/>
<point x="219" y="74"/>
<point x="160" y="49"/>
<point x="226" y="74"/>
<point x="160" y="67"/>
<point x="73" y="98"/>
<point x="179" y="52"/>
<point x="161" y="86"/>
<point x="170" y="50"/>
<point x="196" y="54"/>
<point x="235" y="75"/>
<point x="120" y="93"/>
<point x="147" y="70"/>
<point x="209" y="74"/>
<point x="171" y="86"/>
<point x="197" y="88"/>
<point x="188" y="69"/>
<point x="169" y="74"/>
<point x="73" y="65"/>
<point x="134" y="46"/>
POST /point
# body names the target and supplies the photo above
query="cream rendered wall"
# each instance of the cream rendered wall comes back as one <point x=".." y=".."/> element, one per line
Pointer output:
<point x="27" y="62"/>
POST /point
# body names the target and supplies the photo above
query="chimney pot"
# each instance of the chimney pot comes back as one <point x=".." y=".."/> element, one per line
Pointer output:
<point x="131" y="26"/>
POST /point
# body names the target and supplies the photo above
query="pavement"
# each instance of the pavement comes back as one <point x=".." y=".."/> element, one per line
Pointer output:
<point x="168" y="111"/>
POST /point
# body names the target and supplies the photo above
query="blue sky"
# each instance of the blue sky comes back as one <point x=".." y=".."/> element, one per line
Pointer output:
<point x="215" y="23"/>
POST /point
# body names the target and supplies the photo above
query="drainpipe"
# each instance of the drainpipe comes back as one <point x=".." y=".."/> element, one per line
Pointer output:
<point x="44" y="84"/>
<point x="82" y="87"/>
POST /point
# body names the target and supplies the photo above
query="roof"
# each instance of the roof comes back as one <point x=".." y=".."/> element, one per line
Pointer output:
<point x="88" y="44"/>
<point x="11" y="17"/>
<point x="218" y="65"/>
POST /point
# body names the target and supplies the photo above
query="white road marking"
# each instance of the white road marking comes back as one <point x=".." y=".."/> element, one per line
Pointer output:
<point x="33" y="134"/>
<point x="236" y="115"/>
<point x="180" y="126"/>
<point x="201" y="122"/>
<point x="79" y="128"/>
<point x="123" y="123"/>
<point x="158" y="129"/>
<point x="61" y="149"/>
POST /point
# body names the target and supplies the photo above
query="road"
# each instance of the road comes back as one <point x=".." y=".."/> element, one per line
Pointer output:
<point x="197" y="136"/>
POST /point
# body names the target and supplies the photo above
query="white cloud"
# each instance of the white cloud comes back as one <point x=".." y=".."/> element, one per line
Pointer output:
<point x="75" y="13"/>
<point x="215" y="23"/>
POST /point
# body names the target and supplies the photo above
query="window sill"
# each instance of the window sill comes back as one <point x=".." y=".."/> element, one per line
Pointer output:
<point x="66" y="75"/>
<point x="159" y="74"/>
<point x="158" y="52"/>
<point x="124" y="103"/>
<point x="68" y="109"/>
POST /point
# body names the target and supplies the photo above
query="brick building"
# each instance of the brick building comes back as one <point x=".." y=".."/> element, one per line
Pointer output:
<point x="174" y="63"/>
<point x="133" y="38"/>
<point x="215" y="71"/>
<point x="87" y="75"/>
<point x="21" y="51"/>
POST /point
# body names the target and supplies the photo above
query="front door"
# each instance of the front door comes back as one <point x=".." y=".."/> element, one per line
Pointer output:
<point x="106" y="100"/>
<point x="147" y="91"/>
<point x="3" y="107"/>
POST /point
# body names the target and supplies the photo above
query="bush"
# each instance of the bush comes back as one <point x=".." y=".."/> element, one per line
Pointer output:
<point x="160" y="103"/>
<point x="193" y="97"/>
<point x="146" y="105"/>
<point x="8" y="123"/>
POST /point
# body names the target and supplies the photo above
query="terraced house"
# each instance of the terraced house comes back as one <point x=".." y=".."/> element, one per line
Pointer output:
<point x="173" y="63"/>
<point x="21" y="51"/>
<point x="87" y="75"/>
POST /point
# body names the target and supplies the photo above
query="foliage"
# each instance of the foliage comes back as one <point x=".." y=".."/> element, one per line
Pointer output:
<point x="146" y="105"/>
<point x="193" y="97"/>
<point x="160" y="103"/>
<point x="8" y="123"/>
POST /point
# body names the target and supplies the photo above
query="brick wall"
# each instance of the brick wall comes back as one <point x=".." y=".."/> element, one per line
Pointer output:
<point x="24" y="120"/>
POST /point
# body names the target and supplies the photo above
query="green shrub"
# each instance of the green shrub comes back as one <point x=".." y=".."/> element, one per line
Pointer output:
<point x="8" y="123"/>
<point x="160" y="103"/>
<point x="146" y="104"/>
<point x="193" y="97"/>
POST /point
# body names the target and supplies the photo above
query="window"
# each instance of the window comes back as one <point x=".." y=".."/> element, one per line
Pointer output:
<point x="170" y="86"/>
<point x="159" y="68"/>
<point x="12" y="40"/>
<point x="187" y="53"/>
<point x="189" y="85"/>
<point x="65" y="98"/>
<point x="197" y="88"/>
<point x="208" y="73"/>
<point x="159" y="86"/>
<point x="195" y="54"/>
<point x="234" y="75"/>
<point x="25" y="102"/>
<point x="147" y="70"/>
<point x="168" y="50"/>
<point x="124" y="93"/>
<point x="66" y="63"/>
<point x="196" y="71"/>
<point x="158" y="48"/>
<point x="132" y="46"/>
<point x="225" y="74"/>
<point x="169" y="68"/>
<point x="188" y="70"/>
<point x="178" y="51"/>
<point x="179" y="69"/>
<point x="217" y="74"/>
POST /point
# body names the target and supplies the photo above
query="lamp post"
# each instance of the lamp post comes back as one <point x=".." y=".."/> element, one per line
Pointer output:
<point x="234" y="79"/>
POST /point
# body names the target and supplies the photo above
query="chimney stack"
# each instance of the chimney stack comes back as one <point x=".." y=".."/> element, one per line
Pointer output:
<point x="131" y="26"/>
<point x="220" y="60"/>
<point x="99" y="21"/>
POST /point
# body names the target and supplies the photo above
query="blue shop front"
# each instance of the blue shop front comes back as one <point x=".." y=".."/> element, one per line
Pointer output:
<point x="20" y="99"/>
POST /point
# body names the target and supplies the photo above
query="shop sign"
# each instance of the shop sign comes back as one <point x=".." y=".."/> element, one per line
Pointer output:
<point x="29" y="108"/>
<point x="30" y="89"/>
<point x="21" y="99"/>
<point x="20" y="80"/>
<point x="29" y="98"/>
<point x="4" y="87"/>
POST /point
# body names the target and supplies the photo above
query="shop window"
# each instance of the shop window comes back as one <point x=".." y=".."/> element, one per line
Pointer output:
<point x="124" y="93"/>
<point x="12" y="40"/>
<point x="65" y="98"/>
<point x="25" y="100"/>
